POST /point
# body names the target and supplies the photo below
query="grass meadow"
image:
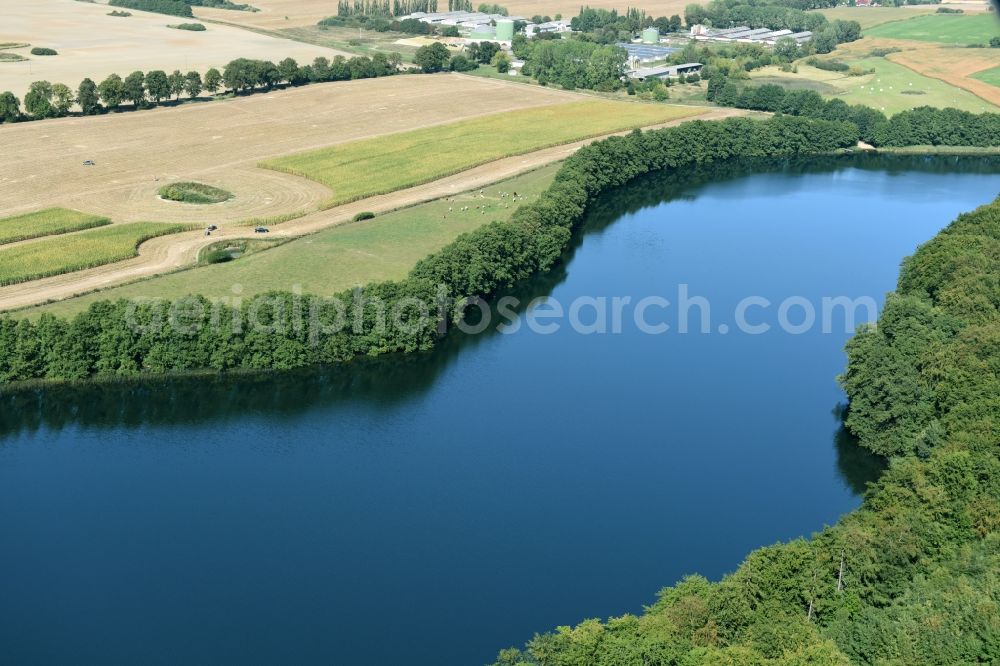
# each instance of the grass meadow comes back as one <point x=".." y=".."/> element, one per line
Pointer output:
<point x="869" y="17"/>
<point x="955" y="29"/>
<point x="65" y="254"/>
<point x="990" y="76"/>
<point x="338" y="258"/>
<point x="48" y="222"/>
<point x="376" y="166"/>
<point x="894" y="88"/>
<point x="891" y="89"/>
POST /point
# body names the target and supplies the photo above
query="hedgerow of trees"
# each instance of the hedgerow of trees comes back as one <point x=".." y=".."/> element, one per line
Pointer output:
<point x="608" y="26"/>
<point x="169" y="7"/>
<point x="179" y="7"/>
<point x="384" y="8"/>
<point x="923" y="126"/>
<point x="144" y="90"/>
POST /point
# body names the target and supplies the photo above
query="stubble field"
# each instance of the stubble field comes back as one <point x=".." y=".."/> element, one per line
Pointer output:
<point x="220" y="143"/>
<point x="281" y="14"/>
<point x="92" y="44"/>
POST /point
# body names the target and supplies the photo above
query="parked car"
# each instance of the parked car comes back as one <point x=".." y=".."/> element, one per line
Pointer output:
<point x="88" y="163"/>
<point x="261" y="230"/>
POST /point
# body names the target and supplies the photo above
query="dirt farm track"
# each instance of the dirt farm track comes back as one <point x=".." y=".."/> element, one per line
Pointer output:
<point x="220" y="143"/>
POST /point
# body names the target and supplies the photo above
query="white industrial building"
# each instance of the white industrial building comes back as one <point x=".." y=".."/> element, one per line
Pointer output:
<point x="747" y="35"/>
<point x="460" y="19"/>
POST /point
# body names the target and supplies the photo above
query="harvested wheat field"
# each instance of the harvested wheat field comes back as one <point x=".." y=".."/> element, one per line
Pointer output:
<point x="570" y="9"/>
<point x="280" y="14"/>
<point x="273" y="14"/>
<point x="92" y="44"/>
<point x="220" y="143"/>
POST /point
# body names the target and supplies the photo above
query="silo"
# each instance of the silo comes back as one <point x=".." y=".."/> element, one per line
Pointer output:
<point x="651" y="35"/>
<point x="505" y="30"/>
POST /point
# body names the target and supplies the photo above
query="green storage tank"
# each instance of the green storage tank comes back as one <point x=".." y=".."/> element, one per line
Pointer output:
<point x="505" y="30"/>
<point x="651" y="36"/>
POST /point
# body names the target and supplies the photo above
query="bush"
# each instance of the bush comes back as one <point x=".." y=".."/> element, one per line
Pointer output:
<point x="42" y="51"/>
<point x="194" y="193"/>
<point x="217" y="257"/>
<point x="884" y="51"/>
<point x="460" y="63"/>
<point x="364" y="215"/>
<point x="828" y="65"/>
<point x="193" y="27"/>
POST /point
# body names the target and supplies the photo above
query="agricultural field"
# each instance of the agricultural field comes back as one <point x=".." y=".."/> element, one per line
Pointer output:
<point x="282" y="14"/>
<point x="990" y="76"/>
<point x="869" y="17"/>
<point x="273" y="14"/>
<point x="362" y="42"/>
<point x="73" y="252"/>
<point x="339" y="258"/>
<point x="892" y="88"/>
<point x="403" y="160"/>
<point x="220" y="143"/>
<point x="47" y="223"/>
<point x="943" y="64"/>
<point x="92" y="44"/>
<point x="954" y="29"/>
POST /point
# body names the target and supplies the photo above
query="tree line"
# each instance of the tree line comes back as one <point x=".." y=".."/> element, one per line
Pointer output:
<point x="608" y="26"/>
<point x="923" y="126"/>
<point x="169" y="7"/>
<point x="143" y="90"/>
<point x="384" y="8"/>
<point x="179" y="7"/>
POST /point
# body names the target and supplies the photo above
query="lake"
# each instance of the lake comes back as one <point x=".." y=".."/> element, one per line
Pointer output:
<point x="434" y="508"/>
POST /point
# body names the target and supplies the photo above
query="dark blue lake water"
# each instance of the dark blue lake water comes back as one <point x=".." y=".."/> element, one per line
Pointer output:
<point x="434" y="508"/>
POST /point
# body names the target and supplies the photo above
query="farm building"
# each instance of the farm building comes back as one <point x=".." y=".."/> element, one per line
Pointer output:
<point x="533" y="29"/>
<point x="470" y="20"/>
<point x="665" y="71"/>
<point x="643" y="53"/>
<point x="746" y="35"/>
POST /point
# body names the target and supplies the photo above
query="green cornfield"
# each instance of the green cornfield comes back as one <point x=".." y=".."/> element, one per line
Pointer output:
<point x="368" y="167"/>
<point x="65" y="254"/>
<point x="47" y="222"/>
